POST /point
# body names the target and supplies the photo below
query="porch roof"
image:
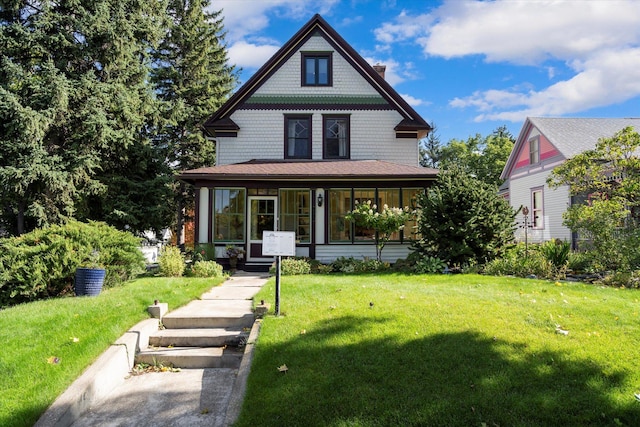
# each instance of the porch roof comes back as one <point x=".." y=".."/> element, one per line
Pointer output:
<point x="310" y="170"/>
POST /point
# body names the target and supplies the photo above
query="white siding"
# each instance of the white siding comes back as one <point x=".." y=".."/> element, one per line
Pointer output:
<point x="286" y="81"/>
<point x="261" y="136"/>
<point x="390" y="253"/>
<point x="203" y="215"/>
<point x="555" y="203"/>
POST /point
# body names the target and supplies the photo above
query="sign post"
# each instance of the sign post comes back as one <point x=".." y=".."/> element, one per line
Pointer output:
<point x="278" y="243"/>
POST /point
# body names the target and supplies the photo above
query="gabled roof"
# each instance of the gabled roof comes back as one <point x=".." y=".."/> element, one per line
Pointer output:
<point x="317" y="25"/>
<point x="570" y="136"/>
<point x="310" y="170"/>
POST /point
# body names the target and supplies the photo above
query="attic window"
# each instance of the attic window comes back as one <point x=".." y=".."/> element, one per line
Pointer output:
<point x="534" y="150"/>
<point x="316" y="69"/>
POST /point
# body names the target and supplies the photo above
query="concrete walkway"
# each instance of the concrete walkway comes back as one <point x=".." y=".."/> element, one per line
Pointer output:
<point x="191" y="397"/>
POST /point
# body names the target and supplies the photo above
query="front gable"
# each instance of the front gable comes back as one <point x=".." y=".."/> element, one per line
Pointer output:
<point x="351" y="84"/>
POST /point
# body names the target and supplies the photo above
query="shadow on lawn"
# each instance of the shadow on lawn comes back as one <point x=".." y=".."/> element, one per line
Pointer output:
<point x="446" y="379"/>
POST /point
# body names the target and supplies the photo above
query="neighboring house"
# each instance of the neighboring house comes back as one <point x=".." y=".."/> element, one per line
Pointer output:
<point x="316" y="129"/>
<point x="543" y="144"/>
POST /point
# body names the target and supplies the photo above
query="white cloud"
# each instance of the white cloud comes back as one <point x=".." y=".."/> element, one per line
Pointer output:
<point x="598" y="41"/>
<point x="414" y="102"/>
<point x="248" y="55"/>
<point x="607" y="78"/>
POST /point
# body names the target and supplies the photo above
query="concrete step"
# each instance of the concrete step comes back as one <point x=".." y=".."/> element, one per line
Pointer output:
<point x="201" y="337"/>
<point x="211" y="314"/>
<point x="192" y="357"/>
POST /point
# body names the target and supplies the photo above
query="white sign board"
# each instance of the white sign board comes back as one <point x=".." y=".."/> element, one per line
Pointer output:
<point x="278" y="243"/>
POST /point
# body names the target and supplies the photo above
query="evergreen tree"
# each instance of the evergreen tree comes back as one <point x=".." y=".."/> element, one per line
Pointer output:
<point x="463" y="220"/>
<point x="431" y="149"/>
<point x="193" y="77"/>
<point x="73" y="92"/>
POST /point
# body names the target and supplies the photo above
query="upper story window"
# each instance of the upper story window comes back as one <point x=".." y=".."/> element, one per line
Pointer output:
<point x="534" y="150"/>
<point x="297" y="142"/>
<point x="316" y="69"/>
<point x="336" y="137"/>
<point x="538" y="208"/>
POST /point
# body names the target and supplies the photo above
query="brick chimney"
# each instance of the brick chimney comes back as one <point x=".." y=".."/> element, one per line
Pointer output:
<point x="380" y="69"/>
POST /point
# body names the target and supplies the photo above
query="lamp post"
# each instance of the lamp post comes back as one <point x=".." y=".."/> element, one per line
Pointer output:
<point x="525" y="213"/>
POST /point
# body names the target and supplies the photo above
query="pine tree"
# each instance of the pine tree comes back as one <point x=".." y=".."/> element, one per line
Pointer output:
<point x="73" y="93"/>
<point x="431" y="149"/>
<point x="192" y="75"/>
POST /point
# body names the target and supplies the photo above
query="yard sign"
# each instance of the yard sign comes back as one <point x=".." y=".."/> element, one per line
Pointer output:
<point x="278" y="243"/>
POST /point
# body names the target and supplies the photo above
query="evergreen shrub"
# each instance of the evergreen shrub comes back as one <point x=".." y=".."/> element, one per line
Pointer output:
<point x="292" y="267"/>
<point x="42" y="264"/>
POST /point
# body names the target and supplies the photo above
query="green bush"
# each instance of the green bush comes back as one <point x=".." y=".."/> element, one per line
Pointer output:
<point x="352" y="265"/>
<point x="171" y="262"/>
<point x="521" y="263"/>
<point x="204" y="252"/>
<point x="556" y="252"/>
<point x="41" y="264"/>
<point x="429" y="265"/>
<point x="292" y="267"/>
<point x="206" y="269"/>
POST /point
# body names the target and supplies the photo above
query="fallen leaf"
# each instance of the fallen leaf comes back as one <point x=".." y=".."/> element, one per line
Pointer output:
<point x="283" y="368"/>
<point x="75" y="339"/>
<point x="302" y="332"/>
<point x="53" y="360"/>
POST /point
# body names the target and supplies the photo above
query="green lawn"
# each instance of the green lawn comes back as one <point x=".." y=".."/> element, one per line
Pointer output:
<point x="75" y="331"/>
<point x="460" y="350"/>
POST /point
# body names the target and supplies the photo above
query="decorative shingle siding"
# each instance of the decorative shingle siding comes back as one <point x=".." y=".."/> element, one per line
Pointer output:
<point x="346" y="80"/>
<point x="555" y="203"/>
<point x="261" y="136"/>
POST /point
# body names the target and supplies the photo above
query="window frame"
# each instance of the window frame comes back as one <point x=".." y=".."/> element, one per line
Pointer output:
<point x="534" y="150"/>
<point x="537" y="211"/>
<point x="325" y="120"/>
<point x="300" y="200"/>
<point x="239" y="214"/>
<point x="288" y="118"/>
<point x="316" y="56"/>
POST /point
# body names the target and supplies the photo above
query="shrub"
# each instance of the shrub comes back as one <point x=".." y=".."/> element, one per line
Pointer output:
<point x="352" y="265"/>
<point x="556" y="252"/>
<point x="42" y="263"/>
<point x="206" y="269"/>
<point x="292" y="267"/>
<point x="429" y="265"/>
<point x="204" y="252"/>
<point x="171" y="262"/>
<point x="521" y="263"/>
<point x="463" y="220"/>
<point x="622" y="280"/>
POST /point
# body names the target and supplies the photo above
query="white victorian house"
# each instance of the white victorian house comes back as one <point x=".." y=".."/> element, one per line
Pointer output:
<point x="316" y="129"/>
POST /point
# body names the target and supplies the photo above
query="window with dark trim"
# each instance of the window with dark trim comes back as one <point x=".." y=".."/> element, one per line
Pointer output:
<point x="316" y="69"/>
<point x="335" y="137"/>
<point x="297" y="139"/>
<point x="229" y="213"/>
<point x="538" y="208"/>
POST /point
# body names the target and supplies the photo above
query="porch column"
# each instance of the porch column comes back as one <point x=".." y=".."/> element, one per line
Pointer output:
<point x="320" y="216"/>
<point x="203" y="215"/>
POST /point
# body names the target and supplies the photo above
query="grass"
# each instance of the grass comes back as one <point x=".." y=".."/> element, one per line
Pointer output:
<point x="75" y="331"/>
<point x="445" y="350"/>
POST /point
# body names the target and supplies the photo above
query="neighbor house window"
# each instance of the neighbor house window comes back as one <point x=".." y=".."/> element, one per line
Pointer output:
<point x="229" y="214"/>
<point x="316" y="69"/>
<point x="297" y="143"/>
<point x="336" y="137"/>
<point x="295" y="213"/>
<point x="534" y="150"/>
<point x="537" y="220"/>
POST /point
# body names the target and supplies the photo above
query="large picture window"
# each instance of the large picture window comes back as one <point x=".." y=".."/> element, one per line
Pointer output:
<point x="336" y="137"/>
<point x="229" y="211"/>
<point x="316" y="69"/>
<point x="298" y="137"/>
<point x="295" y="213"/>
<point x="341" y="201"/>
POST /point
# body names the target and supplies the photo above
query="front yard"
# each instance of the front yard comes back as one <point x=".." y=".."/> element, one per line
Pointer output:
<point x="445" y="350"/>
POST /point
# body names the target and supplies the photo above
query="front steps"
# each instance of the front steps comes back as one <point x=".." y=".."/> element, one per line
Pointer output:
<point x="207" y="333"/>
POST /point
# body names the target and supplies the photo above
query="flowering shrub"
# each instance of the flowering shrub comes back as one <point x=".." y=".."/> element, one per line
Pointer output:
<point x="235" y="252"/>
<point x="384" y="222"/>
<point x="292" y="267"/>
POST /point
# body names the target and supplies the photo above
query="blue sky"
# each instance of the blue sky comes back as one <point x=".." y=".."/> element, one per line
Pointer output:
<point x="469" y="66"/>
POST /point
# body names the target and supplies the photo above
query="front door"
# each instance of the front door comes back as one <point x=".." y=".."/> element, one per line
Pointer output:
<point x="262" y="216"/>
